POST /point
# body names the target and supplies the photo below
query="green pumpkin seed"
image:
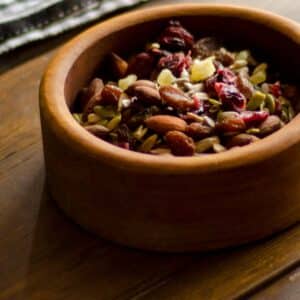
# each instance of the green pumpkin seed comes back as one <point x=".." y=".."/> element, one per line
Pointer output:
<point x="270" y="103"/>
<point x="239" y="63"/>
<point x="258" y="77"/>
<point x="243" y="55"/>
<point x="140" y="132"/>
<point x="256" y="101"/>
<point x="214" y="102"/>
<point x="260" y="68"/>
<point x="104" y="112"/>
<point x="114" y="122"/>
<point x="93" y="118"/>
<point x="149" y="143"/>
<point x="253" y="131"/>
<point x="77" y="117"/>
<point x="218" y="148"/>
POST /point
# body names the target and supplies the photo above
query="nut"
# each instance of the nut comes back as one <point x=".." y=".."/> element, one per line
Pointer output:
<point x="119" y="66"/>
<point x="91" y="96"/>
<point x="270" y="125"/>
<point x="165" y="123"/>
<point x="198" y="130"/>
<point x="180" y="144"/>
<point x="147" y="95"/>
<point x="138" y="83"/>
<point x="176" y="98"/>
<point x="230" y="121"/>
<point x="141" y="65"/>
<point x="241" y="140"/>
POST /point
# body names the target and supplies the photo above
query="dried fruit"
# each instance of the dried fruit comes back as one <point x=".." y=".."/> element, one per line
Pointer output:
<point x="253" y="118"/>
<point x="124" y="83"/>
<point x="141" y="65"/>
<point x="110" y="95"/>
<point x="165" y="123"/>
<point x="180" y="144"/>
<point x="176" y="38"/>
<point x="165" y="77"/>
<point x="202" y="69"/>
<point x="175" y="62"/>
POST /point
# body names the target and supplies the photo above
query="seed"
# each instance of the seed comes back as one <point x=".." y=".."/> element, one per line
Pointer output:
<point x="161" y="151"/>
<point x="239" y="64"/>
<point x="140" y="132"/>
<point x="258" y="77"/>
<point x="105" y="111"/>
<point x="165" y="77"/>
<point x="270" y="103"/>
<point x="243" y="55"/>
<point x="124" y="83"/>
<point x="218" y="148"/>
<point x="253" y="131"/>
<point x="206" y="144"/>
<point x="260" y="68"/>
<point x="149" y="143"/>
<point x="214" y="102"/>
<point x="256" y="101"/>
<point x="93" y="118"/>
<point x="114" y="122"/>
<point x="77" y="117"/>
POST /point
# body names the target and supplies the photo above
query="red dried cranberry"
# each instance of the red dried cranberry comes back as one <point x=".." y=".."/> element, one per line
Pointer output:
<point x="253" y="118"/>
<point x="176" y="38"/>
<point x="176" y="62"/>
<point x="275" y="89"/>
<point x="223" y="75"/>
<point x="230" y="96"/>
<point x="141" y="65"/>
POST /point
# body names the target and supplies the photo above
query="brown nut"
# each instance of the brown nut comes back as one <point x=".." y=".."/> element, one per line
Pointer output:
<point x="97" y="130"/>
<point x="147" y="95"/>
<point x="119" y="66"/>
<point x="241" y="140"/>
<point x="165" y="123"/>
<point x="92" y="96"/>
<point x="180" y="144"/>
<point x="198" y="130"/>
<point x="176" y="98"/>
<point x="230" y="121"/>
<point x="270" y="125"/>
<point x="110" y="95"/>
<point x="141" y="65"/>
<point x="138" y="83"/>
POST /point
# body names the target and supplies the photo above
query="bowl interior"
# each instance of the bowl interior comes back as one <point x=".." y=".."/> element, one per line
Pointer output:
<point x="267" y="42"/>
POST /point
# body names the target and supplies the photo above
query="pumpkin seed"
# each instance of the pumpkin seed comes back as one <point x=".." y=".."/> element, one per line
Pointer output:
<point x="149" y="143"/>
<point x="206" y="144"/>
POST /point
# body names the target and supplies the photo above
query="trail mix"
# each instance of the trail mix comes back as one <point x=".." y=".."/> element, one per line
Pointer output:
<point x="185" y="97"/>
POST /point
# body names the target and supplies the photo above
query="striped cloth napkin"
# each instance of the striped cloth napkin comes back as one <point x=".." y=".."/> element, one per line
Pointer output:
<point x="23" y="21"/>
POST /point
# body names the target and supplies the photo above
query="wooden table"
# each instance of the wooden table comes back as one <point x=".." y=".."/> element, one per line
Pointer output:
<point x="44" y="256"/>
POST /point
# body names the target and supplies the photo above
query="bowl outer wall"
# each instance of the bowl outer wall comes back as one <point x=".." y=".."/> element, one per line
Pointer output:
<point x="172" y="204"/>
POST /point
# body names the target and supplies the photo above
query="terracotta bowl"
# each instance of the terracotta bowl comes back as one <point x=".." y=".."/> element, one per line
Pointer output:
<point x="171" y="203"/>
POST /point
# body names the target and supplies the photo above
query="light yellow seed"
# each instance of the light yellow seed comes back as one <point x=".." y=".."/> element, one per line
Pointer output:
<point x="165" y="77"/>
<point x="93" y="118"/>
<point x="114" y="122"/>
<point x="206" y="144"/>
<point x="104" y="112"/>
<point x="243" y="55"/>
<point x="258" y="77"/>
<point x="240" y="63"/>
<point x="270" y="103"/>
<point x="218" y="148"/>
<point x="124" y="83"/>
<point x="140" y="132"/>
<point x="257" y="101"/>
<point x="78" y="117"/>
<point x="149" y="143"/>
<point x="260" y="67"/>
<point x="253" y="131"/>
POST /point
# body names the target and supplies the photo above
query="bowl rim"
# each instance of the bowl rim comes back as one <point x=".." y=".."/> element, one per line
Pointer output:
<point x="56" y="113"/>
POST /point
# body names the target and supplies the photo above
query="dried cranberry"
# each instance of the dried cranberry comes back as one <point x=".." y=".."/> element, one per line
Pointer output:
<point x="223" y="75"/>
<point x="275" y="89"/>
<point x="253" y="118"/>
<point x="176" y="62"/>
<point x="176" y="38"/>
<point x="230" y="96"/>
<point x="142" y="65"/>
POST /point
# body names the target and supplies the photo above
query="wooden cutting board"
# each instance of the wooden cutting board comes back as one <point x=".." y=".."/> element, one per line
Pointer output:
<point x="43" y="255"/>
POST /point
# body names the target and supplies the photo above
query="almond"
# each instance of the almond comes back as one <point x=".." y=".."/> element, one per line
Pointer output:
<point x="147" y="83"/>
<point x="180" y="144"/>
<point x="198" y="130"/>
<point x="119" y="66"/>
<point x="165" y="123"/>
<point x="147" y="95"/>
<point x="176" y="98"/>
<point x="241" y="140"/>
<point x="270" y="125"/>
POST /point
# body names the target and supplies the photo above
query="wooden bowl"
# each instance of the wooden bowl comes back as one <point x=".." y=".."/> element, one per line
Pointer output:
<point x="171" y="203"/>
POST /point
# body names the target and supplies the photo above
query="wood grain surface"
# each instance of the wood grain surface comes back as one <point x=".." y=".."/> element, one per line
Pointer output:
<point x="44" y="256"/>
